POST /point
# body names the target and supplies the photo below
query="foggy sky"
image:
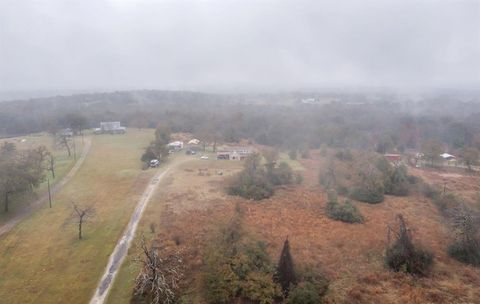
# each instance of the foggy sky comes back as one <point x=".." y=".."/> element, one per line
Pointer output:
<point x="120" y="44"/>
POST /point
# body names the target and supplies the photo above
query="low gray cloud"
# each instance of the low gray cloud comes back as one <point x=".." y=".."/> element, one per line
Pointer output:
<point x="120" y="44"/>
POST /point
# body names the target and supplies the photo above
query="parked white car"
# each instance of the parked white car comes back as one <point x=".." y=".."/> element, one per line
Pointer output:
<point x="154" y="163"/>
<point x="203" y="157"/>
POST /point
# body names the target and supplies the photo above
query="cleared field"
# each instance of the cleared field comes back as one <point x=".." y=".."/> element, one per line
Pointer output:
<point x="42" y="261"/>
<point x="63" y="164"/>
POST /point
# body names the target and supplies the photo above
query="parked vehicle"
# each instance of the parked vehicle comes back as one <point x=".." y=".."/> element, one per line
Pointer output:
<point x="154" y="163"/>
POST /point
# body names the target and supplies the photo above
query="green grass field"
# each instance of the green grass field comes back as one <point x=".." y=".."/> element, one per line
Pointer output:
<point x="42" y="261"/>
<point x="63" y="164"/>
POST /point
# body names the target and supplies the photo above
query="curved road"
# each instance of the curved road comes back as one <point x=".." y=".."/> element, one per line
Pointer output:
<point x="121" y="249"/>
<point x="54" y="189"/>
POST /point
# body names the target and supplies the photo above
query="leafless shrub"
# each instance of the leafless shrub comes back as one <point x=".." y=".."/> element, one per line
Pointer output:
<point x="159" y="279"/>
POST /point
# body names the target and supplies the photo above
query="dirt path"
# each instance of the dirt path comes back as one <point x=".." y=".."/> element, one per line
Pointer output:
<point x="54" y="189"/>
<point x="121" y="249"/>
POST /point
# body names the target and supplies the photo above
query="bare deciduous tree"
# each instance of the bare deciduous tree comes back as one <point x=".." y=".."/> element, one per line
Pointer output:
<point x="80" y="215"/>
<point x="160" y="275"/>
<point x="64" y="141"/>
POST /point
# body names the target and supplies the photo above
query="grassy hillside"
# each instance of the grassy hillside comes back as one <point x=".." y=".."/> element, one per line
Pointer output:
<point x="42" y="259"/>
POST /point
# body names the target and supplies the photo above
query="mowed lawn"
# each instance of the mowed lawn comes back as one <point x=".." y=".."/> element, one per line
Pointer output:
<point x="63" y="164"/>
<point x="41" y="259"/>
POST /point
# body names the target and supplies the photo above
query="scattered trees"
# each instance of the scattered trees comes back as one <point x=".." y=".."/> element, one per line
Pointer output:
<point x="369" y="186"/>
<point x="304" y="287"/>
<point x="396" y="180"/>
<point x="366" y="178"/>
<point x="431" y="150"/>
<point x="471" y="156"/>
<point x="20" y="171"/>
<point x="158" y="148"/>
<point x="257" y="181"/>
<point x="76" y="121"/>
<point x="403" y="255"/>
<point x="237" y="267"/>
<point x="63" y="140"/>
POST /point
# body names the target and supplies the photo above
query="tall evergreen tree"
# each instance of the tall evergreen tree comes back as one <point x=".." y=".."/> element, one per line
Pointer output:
<point x="286" y="272"/>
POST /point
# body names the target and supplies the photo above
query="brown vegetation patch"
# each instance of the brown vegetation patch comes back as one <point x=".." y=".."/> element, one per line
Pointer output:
<point x="350" y="254"/>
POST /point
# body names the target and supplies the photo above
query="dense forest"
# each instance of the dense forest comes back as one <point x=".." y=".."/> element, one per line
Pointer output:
<point x="386" y="121"/>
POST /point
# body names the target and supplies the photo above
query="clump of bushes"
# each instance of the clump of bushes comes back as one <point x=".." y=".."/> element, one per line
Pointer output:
<point x="304" y="293"/>
<point x="403" y="255"/>
<point x="251" y="185"/>
<point x="428" y="190"/>
<point x="466" y="247"/>
<point x="312" y="286"/>
<point x="396" y="180"/>
<point x="371" y="195"/>
<point x="257" y="181"/>
<point x="465" y="252"/>
<point x="368" y="178"/>
<point x="346" y="212"/>
<point x="344" y="155"/>
<point x="236" y="267"/>
<point x="308" y="287"/>
<point x="446" y="202"/>
<point x="158" y="147"/>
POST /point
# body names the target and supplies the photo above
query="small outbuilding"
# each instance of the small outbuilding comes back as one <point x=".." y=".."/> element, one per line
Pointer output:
<point x="394" y="159"/>
<point x="447" y="156"/>
<point x="175" y="145"/>
<point x="234" y="153"/>
<point x="448" y="159"/>
<point x="110" y="127"/>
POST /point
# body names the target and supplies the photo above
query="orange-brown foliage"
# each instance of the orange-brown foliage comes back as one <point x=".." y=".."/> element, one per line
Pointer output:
<point x="350" y="254"/>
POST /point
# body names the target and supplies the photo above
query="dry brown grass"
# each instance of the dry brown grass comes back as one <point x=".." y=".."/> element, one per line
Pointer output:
<point x="457" y="181"/>
<point x="190" y="208"/>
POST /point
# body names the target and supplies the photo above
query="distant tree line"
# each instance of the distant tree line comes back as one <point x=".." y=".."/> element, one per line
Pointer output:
<point x="268" y="119"/>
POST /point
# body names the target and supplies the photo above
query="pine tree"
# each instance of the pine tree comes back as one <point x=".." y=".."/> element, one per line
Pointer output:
<point x="286" y="272"/>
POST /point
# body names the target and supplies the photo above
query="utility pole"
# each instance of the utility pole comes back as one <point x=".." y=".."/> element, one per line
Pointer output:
<point x="49" y="194"/>
<point x="74" y="149"/>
